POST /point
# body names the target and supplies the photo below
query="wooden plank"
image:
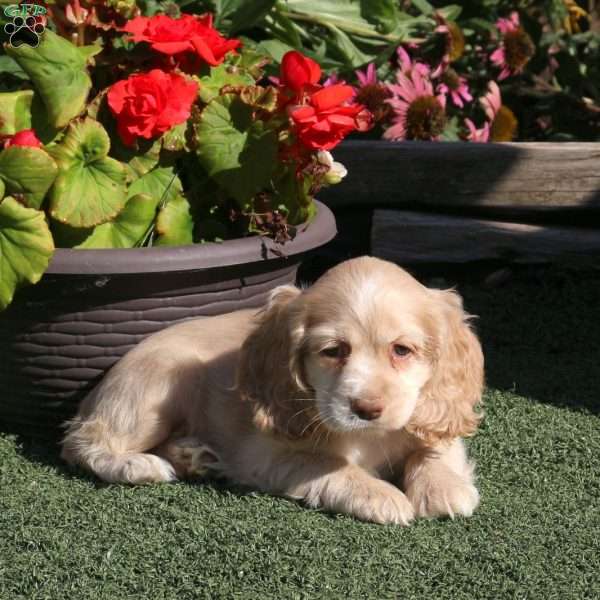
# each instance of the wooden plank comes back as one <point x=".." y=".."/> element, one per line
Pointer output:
<point x="409" y="237"/>
<point x="517" y="176"/>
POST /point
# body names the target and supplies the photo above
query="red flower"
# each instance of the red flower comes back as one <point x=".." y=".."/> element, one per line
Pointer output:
<point x="25" y="137"/>
<point x="186" y="34"/>
<point x="326" y="120"/>
<point x="298" y="71"/>
<point x="148" y="104"/>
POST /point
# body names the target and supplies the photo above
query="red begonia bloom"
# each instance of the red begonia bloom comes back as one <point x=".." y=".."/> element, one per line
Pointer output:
<point x="185" y="34"/>
<point x="298" y="70"/>
<point x="148" y="104"/>
<point x="25" y="137"/>
<point x="326" y="119"/>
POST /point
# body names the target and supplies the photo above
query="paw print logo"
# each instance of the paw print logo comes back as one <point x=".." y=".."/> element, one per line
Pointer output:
<point x="24" y="30"/>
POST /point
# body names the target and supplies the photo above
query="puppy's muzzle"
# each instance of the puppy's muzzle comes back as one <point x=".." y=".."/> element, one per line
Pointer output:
<point x="367" y="409"/>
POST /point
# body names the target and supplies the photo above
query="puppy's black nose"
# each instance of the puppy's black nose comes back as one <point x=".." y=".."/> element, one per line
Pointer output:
<point x="367" y="409"/>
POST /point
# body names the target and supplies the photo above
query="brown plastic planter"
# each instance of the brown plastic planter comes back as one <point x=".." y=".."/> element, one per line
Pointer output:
<point x="60" y="336"/>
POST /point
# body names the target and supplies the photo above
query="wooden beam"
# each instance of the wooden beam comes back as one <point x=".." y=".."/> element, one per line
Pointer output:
<point x="409" y="237"/>
<point x="489" y="177"/>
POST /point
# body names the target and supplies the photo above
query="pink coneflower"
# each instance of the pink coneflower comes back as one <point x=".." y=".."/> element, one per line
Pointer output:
<point x="373" y="94"/>
<point x="455" y="86"/>
<point x="516" y="48"/>
<point x="407" y="65"/>
<point x="332" y="80"/>
<point x="454" y="38"/>
<point x="503" y="123"/>
<point x="478" y="135"/>
<point x="419" y="113"/>
<point x="492" y="101"/>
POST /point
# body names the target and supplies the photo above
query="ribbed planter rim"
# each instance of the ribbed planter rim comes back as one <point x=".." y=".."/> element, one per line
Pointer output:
<point x="68" y="261"/>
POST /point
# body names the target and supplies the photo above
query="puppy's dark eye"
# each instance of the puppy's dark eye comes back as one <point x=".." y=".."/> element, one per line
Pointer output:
<point x="338" y="351"/>
<point x="401" y="351"/>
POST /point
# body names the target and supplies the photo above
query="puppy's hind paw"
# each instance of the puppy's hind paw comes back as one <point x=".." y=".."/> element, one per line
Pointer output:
<point x="191" y="458"/>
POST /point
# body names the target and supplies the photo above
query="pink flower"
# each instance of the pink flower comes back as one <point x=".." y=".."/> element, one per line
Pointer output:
<point x="478" y="135"/>
<point x="419" y="113"/>
<point x="333" y="79"/>
<point x="516" y="48"/>
<point x="407" y="66"/>
<point x="498" y="57"/>
<point x="368" y="77"/>
<point x="511" y="24"/>
<point x="492" y="101"/>
<point x="455" y="86"/>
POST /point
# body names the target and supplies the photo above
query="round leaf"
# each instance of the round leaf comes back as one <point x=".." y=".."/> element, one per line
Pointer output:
<point x="15" y="111"/>
<point x="58" y="71"/>
<point x="220" y="76"/>
<point x="237" y="151"/>
<point x="28" y="171"/>
<point x="174" y="223"/>
<point x="161" y="183"/>
<point x="26" y="247"/>
<point x="128" y="228"/>
<point x="90" y="187"/>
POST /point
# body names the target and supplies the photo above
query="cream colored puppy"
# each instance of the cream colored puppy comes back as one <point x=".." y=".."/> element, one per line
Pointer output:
<point x="351" y="395"/>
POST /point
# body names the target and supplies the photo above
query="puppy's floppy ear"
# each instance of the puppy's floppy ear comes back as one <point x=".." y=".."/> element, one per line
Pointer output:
<point x="446" y="408"/>
<point x="269" y="372"/>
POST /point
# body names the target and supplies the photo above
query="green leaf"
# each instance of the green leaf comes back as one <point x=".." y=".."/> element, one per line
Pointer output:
<point x="138" y="159"/>
<point x="26" y="247"/>
<point x="88" y="52"/>
<point x="223" y="8"/>
<point x="2" y="189"/>
<point x="58" y="71"/>
<point x="238" y="152"/>
<point x="128" y="228"/>
<point x="10" y="67"/>
<point x="174" y="223"/>
<point x="451" y="132"/>
<point x="28" y="172"/>
<point x="294" y="194"/>
<point x="40" y="122"/>
<point x="247" y="14"/>
<point x="250" y="62"/>
<point x="223" y="74"/>
<point x="382" y="13"/>
<point x="90" y="187"/>
<point x="451" y="12"/>
<point x="161" y="183"/>
<point x="15" y="111"/>
<point x="350" y="54"/>
<point x="423" y="6"/>
<point x="175" y="139"/>
<point x="274" y="48"/>
<point x="283" y="28"/>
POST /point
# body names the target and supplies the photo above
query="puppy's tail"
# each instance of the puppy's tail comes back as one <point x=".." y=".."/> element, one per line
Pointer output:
<point x="90" y="445"/>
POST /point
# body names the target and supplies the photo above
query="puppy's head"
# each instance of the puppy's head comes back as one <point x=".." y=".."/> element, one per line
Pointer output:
<point x="365" y="348"/>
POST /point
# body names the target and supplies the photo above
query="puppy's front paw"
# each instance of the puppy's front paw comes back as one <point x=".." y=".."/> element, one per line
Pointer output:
<point x="379" y="502"/>
<point x="448" y="494"/>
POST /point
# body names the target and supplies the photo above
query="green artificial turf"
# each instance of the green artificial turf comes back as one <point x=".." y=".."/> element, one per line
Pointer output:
<point x="535" y="535"/>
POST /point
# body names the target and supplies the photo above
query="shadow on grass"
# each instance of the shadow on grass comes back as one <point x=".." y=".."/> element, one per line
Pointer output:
<point x="541" y="335"/>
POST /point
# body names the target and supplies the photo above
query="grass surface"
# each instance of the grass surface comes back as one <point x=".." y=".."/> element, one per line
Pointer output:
<point x="535" y="535"/>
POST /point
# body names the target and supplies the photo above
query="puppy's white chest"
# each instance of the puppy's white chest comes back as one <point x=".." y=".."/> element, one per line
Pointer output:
<point x="377" y="453"/>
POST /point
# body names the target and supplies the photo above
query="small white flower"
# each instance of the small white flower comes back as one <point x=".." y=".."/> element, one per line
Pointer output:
<point x="337" y="171"/>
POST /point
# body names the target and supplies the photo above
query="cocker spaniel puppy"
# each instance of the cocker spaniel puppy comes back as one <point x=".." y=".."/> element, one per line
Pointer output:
<point x="351" y="395"/>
